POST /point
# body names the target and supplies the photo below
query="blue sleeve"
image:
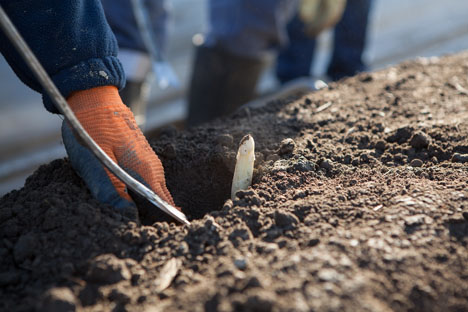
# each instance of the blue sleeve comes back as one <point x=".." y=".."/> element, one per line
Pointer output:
<point x="249" y="28"/>
<point x="71" y="39"/>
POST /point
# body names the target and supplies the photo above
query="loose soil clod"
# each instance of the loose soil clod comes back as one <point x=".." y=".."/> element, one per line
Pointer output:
<point x="368" y="211"/>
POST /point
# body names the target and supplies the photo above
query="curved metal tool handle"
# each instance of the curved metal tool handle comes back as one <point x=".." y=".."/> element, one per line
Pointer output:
<point x="44" y="79"/>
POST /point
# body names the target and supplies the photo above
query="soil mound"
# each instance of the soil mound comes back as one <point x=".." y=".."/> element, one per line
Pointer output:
<point x="359" y="202"/>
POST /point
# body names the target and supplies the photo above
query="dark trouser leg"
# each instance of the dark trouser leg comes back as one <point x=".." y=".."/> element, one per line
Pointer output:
<point x="349" y="40"/>
<point x="220" y="83"/>
<point x="295" y="59"/>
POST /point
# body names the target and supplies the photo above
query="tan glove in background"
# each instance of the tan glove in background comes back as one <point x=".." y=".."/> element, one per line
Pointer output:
<point x="318" y="15"/>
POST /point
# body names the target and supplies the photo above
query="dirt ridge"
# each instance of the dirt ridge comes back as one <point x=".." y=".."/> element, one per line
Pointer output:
<point x="359" y="202"/>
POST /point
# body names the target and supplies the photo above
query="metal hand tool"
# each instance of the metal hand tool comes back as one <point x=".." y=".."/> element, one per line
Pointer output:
<point x="62" y="105"/>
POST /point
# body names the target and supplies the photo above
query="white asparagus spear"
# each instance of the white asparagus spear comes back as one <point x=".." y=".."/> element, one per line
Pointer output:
<point x="244" y="165"/>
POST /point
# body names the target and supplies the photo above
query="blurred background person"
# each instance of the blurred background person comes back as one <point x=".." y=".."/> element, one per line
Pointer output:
<point x="349" y="41"/>
<point x="232" y="55"/>
<point x="243" y="34"/>
<point x="234" y="52"/>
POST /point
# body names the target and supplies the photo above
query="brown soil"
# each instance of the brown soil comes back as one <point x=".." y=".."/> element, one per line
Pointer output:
<point x="359" y="202"/>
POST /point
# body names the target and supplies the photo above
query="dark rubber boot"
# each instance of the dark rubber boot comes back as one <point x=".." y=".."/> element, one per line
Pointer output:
<point x="220" y="83"/>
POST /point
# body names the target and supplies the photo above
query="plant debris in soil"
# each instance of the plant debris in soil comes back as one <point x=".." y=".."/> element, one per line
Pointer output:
<point x="359" y="202"/>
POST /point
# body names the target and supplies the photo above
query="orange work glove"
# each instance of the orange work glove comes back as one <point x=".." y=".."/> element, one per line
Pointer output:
<point x="112" y="125"/>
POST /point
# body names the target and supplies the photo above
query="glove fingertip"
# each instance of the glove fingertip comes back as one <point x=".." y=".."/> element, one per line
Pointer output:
<point x="126" y="208"/>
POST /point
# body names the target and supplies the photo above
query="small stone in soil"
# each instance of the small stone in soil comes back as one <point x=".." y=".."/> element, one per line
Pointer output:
<point x="287" y="146"/>
<point x="285" y="219"/>
<point x="364" y="158"/>
<point x="326" y="164"/>
<point x="228" y="204"/>
<point x="401" y="135"/>
<point x="119" y="296"/>
<point x="420" y="140"/>
<point x="313" y="242"/>
<point x="461" y="158"/>
<point x="329" y="275"/>
<point x="416" y="163"/>
<point x="381" y="145"/>
<point x="240" y="263"/>
<point x="252" y="282"/>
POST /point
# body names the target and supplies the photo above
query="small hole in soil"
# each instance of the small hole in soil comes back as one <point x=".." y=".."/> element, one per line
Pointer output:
<point x="197" y="186"/>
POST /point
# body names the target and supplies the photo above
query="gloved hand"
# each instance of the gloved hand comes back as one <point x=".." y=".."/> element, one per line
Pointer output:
<point x="112" y="125"/>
